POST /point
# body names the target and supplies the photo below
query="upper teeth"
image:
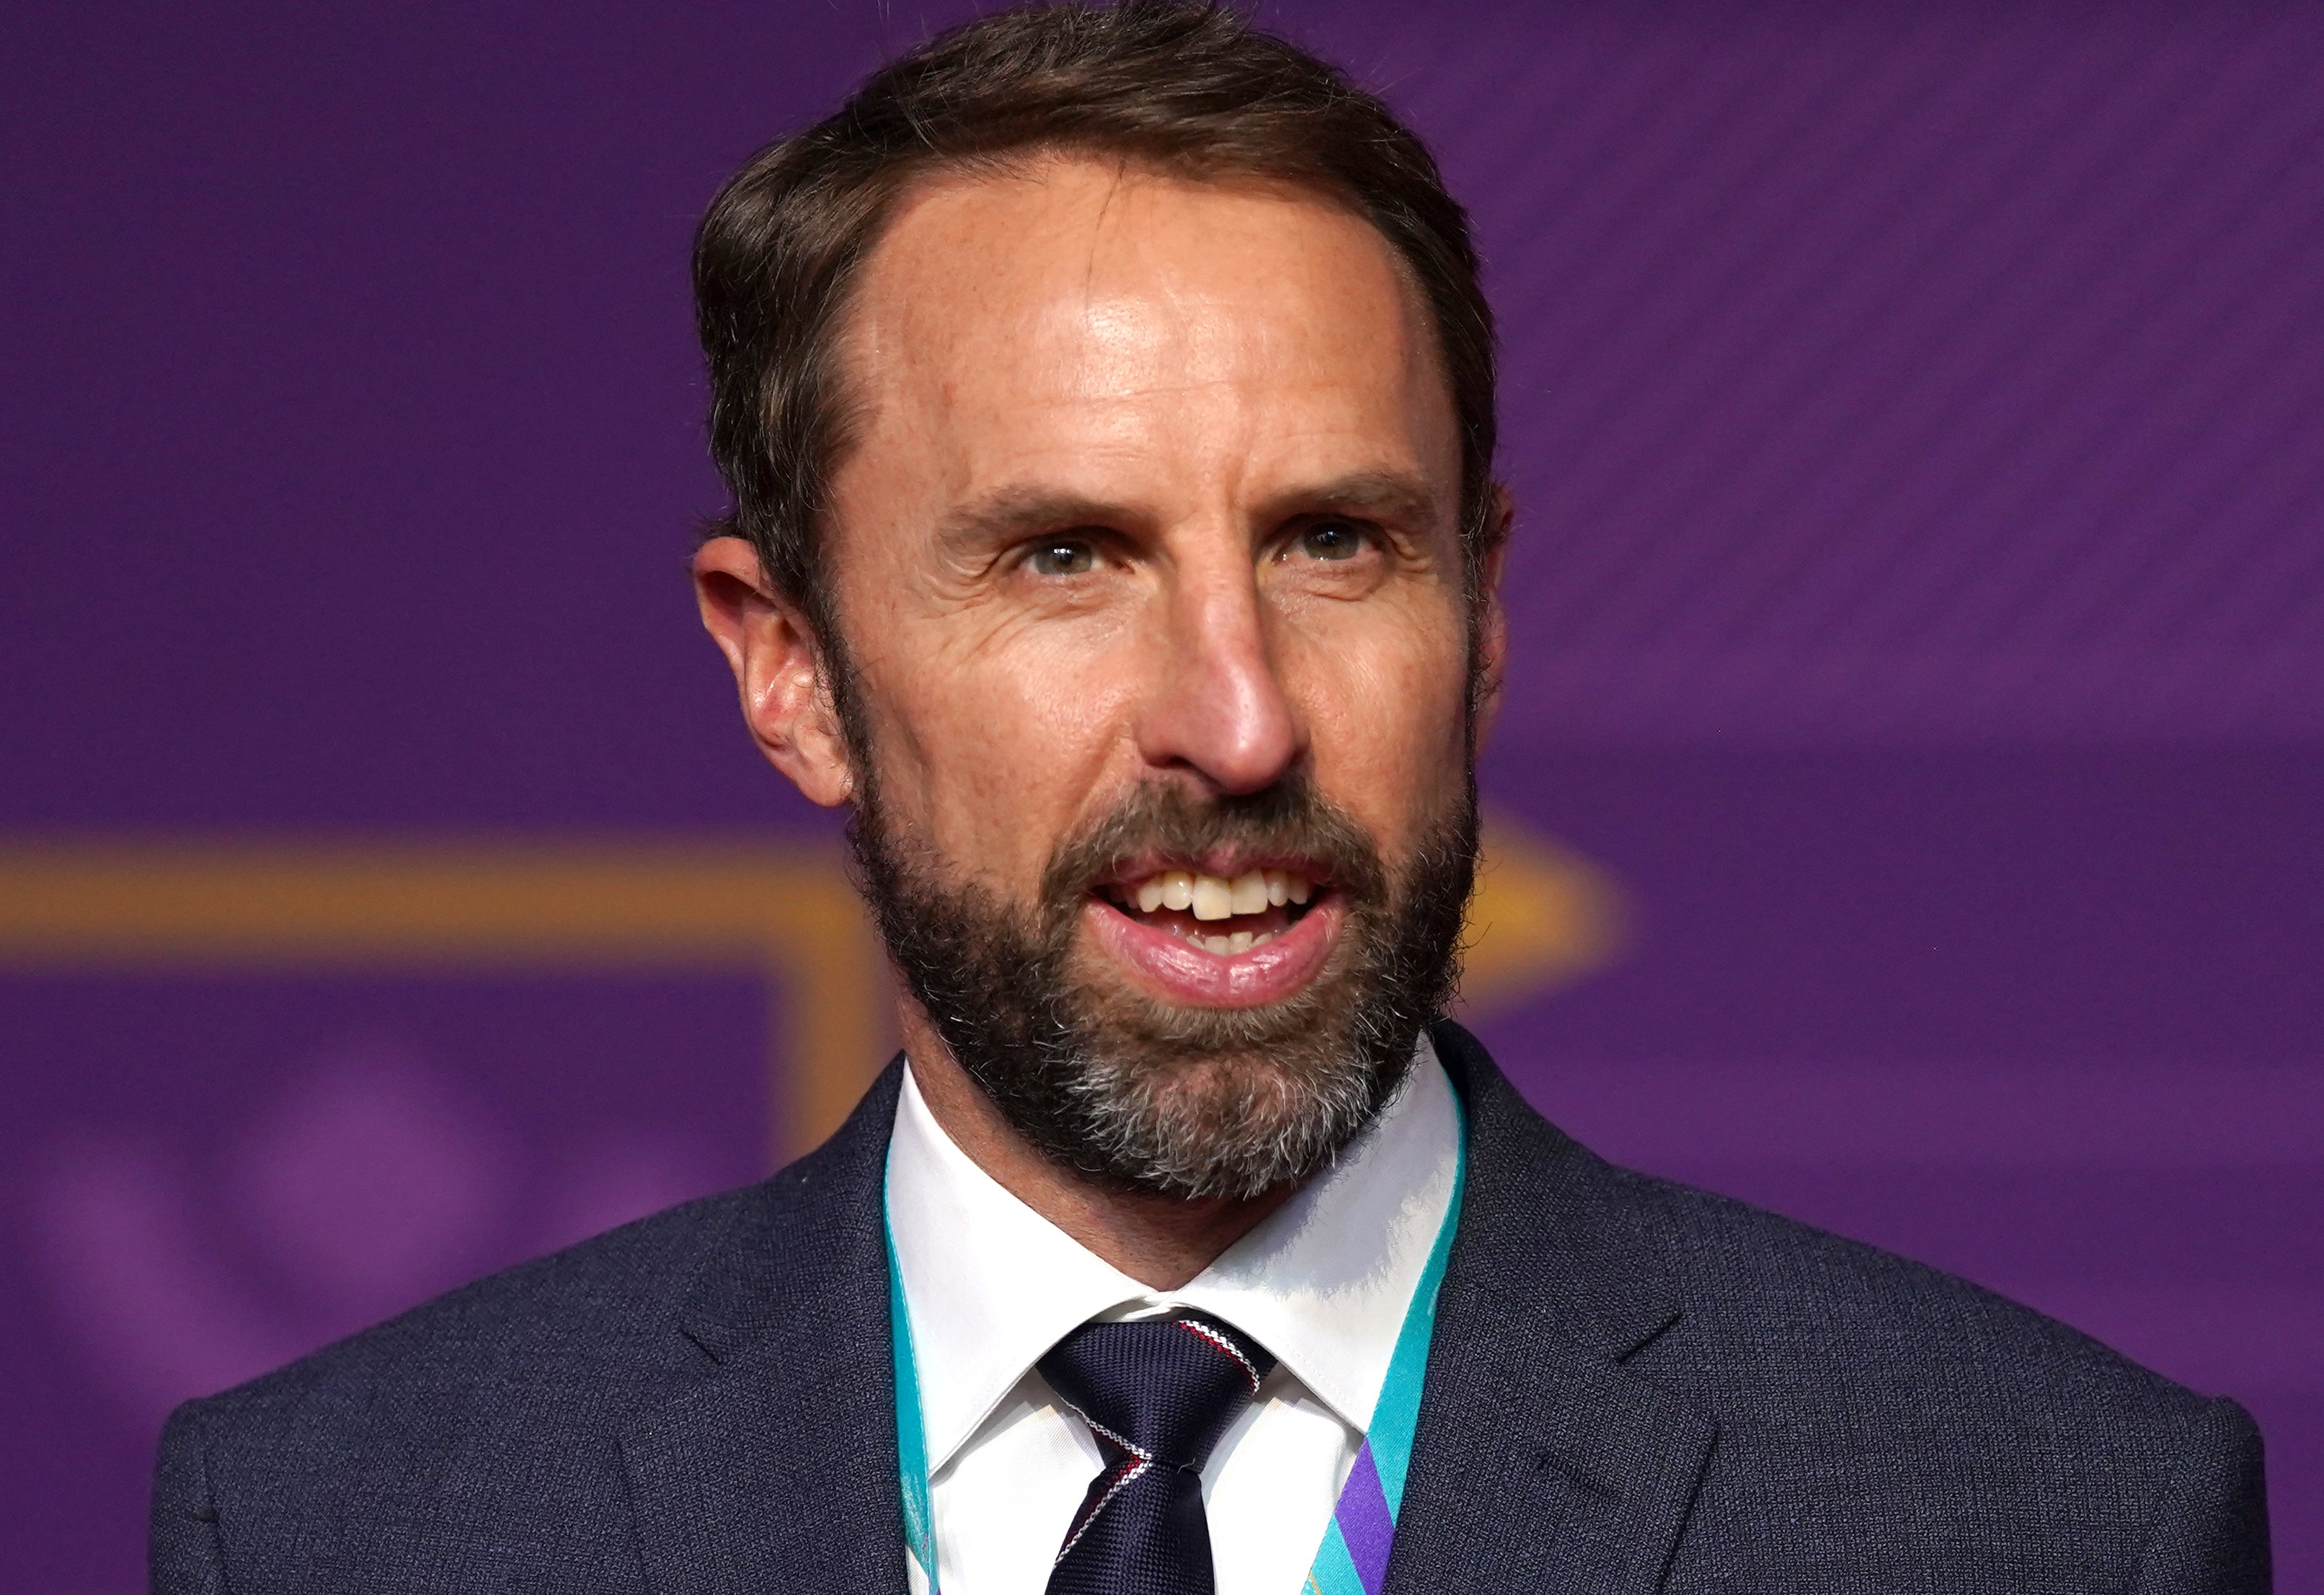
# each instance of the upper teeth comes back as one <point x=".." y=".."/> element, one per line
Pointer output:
<point x="1214" y="897"/>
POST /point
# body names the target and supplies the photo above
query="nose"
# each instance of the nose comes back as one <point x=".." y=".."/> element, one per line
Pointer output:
<point x="1216" y="706"/>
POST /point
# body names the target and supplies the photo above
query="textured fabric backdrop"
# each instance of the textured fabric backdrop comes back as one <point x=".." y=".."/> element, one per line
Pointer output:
<point x="1919" y="650"/>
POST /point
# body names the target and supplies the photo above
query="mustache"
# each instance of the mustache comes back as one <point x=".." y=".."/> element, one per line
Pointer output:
<point x="1290" y="818"/>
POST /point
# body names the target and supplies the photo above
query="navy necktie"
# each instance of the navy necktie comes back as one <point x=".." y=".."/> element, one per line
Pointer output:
<point x="1156" y="1394"/>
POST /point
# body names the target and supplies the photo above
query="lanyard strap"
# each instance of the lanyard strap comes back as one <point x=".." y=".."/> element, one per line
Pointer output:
<point x="911" y="1433"/>
<point x="1354" y="1557"/>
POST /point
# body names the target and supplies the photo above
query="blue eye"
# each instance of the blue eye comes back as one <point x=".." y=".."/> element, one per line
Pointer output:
<point x="1063" y="557"/>
<point x="1331" y="540"/>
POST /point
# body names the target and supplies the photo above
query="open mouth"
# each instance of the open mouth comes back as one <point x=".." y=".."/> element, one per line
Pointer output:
<point x="1219" y="913"/>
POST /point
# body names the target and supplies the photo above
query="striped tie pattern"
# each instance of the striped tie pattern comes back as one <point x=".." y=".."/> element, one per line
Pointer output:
<point x="1156" y="1394"/>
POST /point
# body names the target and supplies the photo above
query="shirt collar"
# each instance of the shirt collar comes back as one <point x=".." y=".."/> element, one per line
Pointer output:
<point x="1322" y="1282"/>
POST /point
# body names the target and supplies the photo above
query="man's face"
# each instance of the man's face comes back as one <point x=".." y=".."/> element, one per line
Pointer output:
<point x="1146" y="566"/>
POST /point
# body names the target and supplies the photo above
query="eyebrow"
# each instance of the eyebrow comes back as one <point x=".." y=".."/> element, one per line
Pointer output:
<point x="1385" y="496"/>
<point x="1010" y="514"/>
<point x="1013" y="513"/>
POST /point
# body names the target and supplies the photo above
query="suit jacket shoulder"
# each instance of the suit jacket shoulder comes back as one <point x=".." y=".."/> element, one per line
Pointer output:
<point x="1707" y="1395"/>
<point x="504" y="1437"/>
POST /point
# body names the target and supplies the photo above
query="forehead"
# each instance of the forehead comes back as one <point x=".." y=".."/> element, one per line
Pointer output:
<point x="1092" y="324"/>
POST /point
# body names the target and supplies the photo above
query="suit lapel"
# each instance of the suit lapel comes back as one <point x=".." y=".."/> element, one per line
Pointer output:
<point x="775" y="1468"/>
<point x="1542" y="1462"/>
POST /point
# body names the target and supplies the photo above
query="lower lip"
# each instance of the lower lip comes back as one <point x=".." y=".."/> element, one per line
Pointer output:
<point x="1190" y="974"/>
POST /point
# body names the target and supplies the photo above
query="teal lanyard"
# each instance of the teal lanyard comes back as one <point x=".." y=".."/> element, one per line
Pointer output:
<point x="1354" y="1557"/>
<point x="911" y="1433"/>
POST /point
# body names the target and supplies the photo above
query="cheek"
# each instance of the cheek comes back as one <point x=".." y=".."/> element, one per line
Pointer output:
<point x="1009" y="729"/>
<point x="1386" y="710"/>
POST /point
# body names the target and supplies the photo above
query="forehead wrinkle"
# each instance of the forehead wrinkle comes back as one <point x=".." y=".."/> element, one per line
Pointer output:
<point x="1142" y="341"/>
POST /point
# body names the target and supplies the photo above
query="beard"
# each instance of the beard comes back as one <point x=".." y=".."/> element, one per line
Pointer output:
<point x="1164" y="1099"/>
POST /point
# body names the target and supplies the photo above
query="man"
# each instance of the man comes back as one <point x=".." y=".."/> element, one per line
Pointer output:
<point x="1107" y="399"/>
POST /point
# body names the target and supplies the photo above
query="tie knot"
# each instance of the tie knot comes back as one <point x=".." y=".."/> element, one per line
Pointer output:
<point x="1161" y="1389"/>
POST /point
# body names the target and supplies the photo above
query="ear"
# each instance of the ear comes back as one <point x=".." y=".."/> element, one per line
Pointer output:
<point x="1491" y="620"/>
<point x="787" y="702"/>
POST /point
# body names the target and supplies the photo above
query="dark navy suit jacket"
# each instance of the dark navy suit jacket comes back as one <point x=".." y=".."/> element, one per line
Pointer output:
<point x="1633" y="1386"/>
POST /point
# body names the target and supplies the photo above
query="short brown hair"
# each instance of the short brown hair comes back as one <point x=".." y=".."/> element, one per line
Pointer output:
<point x="1189" y="88"/>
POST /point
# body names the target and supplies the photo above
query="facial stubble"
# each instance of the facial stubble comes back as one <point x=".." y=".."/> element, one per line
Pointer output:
<point x="1147" y="1096"/>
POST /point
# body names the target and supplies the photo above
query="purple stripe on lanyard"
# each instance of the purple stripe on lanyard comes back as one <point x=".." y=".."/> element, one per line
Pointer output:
<point x="1364" y="1521"/>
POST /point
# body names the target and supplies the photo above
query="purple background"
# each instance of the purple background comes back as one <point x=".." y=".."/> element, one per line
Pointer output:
<point x="1918" y="607"/>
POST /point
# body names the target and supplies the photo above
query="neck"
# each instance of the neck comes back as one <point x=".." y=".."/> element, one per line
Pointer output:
<point x="1160" y="1241"/>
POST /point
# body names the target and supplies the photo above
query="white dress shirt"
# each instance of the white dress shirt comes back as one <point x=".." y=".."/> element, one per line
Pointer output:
<point x="1322" y="1282"/>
